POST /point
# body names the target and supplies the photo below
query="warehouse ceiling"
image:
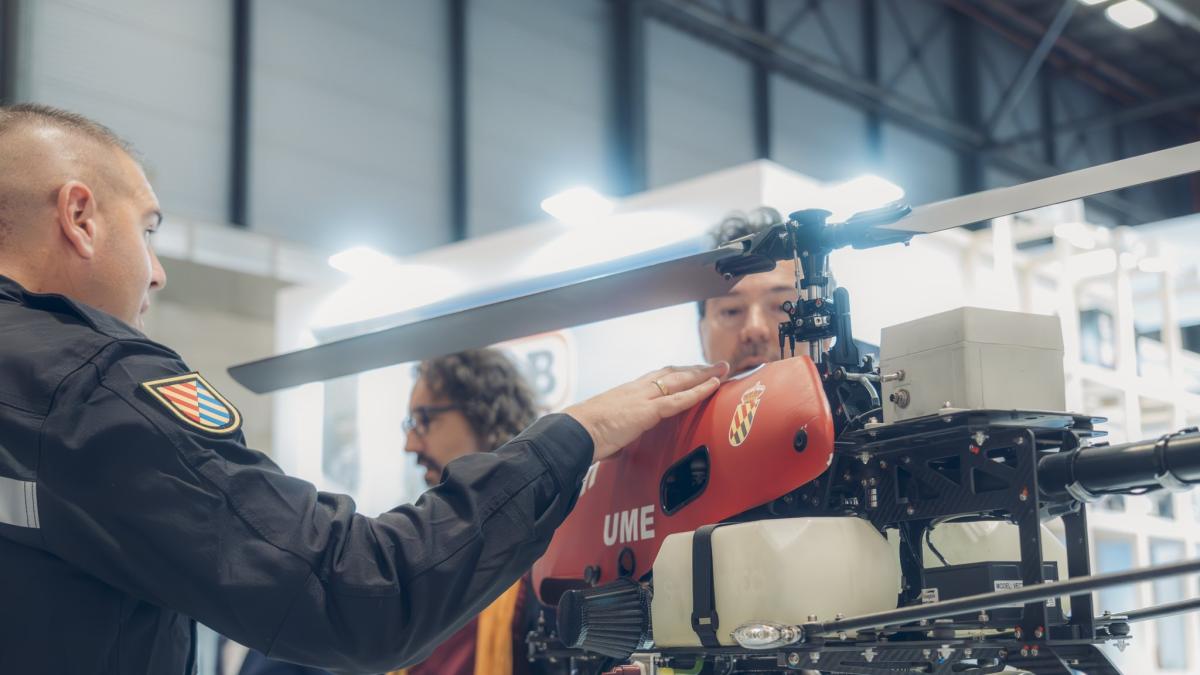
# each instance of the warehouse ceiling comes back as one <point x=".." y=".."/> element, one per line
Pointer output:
<point x="1142" y="84"/>
<point x="1155" y="64"/>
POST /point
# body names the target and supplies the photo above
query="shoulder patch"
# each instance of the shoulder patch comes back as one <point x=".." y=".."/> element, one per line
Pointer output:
<point x="195" y="402"/>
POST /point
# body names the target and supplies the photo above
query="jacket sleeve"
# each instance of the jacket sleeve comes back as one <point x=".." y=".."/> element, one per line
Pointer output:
<point x="199" y="523"/>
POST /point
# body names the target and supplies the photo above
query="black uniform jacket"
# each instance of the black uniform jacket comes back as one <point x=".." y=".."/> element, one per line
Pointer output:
<point x="121" y="523"/>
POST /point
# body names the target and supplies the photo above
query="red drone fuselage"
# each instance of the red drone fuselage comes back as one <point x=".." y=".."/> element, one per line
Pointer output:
<point x="759" y="437"/>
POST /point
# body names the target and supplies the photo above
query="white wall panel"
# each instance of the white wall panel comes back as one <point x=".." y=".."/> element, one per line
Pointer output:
<point x="698" y="107"/>
<point x="349" y="123"/>
<point x="817" y="135"/>
<point x="157" y="72"/>
<point x="927" y="170"/>
<point x="536" y="97"/>
<point x="831" y="31"/>
<point x="928" y="81"/>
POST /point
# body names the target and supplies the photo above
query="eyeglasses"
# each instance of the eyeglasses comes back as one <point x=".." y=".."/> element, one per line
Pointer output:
<point x="420" y="417"/>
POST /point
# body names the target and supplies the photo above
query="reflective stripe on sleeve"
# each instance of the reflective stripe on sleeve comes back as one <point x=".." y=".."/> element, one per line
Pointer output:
<point x="18" y="503"/>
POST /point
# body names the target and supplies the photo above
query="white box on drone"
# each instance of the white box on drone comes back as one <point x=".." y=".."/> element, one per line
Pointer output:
<point x="973" y="358"/>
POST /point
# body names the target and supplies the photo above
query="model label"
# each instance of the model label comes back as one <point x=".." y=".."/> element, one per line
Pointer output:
<point x="1010" y="584"/>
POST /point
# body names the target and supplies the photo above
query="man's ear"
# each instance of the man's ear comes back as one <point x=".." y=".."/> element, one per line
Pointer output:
<point x="76" y="215"/>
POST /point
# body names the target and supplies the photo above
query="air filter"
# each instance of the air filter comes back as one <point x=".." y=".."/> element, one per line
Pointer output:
<point x="612" y="620"/>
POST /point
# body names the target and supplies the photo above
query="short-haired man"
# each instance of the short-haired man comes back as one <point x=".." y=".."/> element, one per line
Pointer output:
<point x="130" y="505"/>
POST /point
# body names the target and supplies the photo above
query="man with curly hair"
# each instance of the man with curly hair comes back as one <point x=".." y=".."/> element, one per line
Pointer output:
<point x="462" y="404"/>
<point x="473" y="401"/>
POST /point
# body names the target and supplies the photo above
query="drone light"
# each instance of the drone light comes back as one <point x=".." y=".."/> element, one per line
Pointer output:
<point x="863" y="193"/>
<point x="766" y="635"/>
<point x="360" y="261"/>
<point x="1130" y="14"/>
<point x="578" y="206"/>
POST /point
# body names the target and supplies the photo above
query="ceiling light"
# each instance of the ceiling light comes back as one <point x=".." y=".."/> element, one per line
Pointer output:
<point x="578" y="206"/>
<point x="856" y="195"/>
<point x="361" y="261"/>
<point x="1130" y="13"/>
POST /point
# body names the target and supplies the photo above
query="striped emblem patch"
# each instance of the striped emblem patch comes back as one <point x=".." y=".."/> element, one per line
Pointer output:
<point x="194" y="401"/>
<point x="743" y="414"/>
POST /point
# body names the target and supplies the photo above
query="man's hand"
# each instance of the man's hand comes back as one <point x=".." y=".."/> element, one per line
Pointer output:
<point x="618" y="416"/>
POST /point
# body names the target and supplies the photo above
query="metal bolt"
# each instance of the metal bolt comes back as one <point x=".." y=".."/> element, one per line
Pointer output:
<point x="1039" y="632"/>
<point x="1024" y="496"/>
<point x="871" y="482"/>
<point x="968" y="652"/>
<point x="812" y="618"/>
<point x="907" y="460"/>
<point x="842" y="635"/>
<point x="1018" y="632"/>
<point x="846" y="476"/>
<point x="864" y="457"/>
<point x="793" y="659"/>
<point x="980" y="438"/>
<point x="882" y="464"/>
<point x="838" y="617"/>
<point x="910" y="509"/>
<point x="901" y="398"/>
<point x="814" y="656"/>
<point x="926" y="653"/>
<point x="1034" y="651"/>
<point x="863" y="482"/>
<point x="869" y="654"/>
<point x="1020" y="440"/>
<point x="1024" y="651"/>
<point x="983" y="617"/>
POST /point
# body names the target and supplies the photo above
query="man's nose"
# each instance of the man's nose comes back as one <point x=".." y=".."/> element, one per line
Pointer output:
<point x="412" y="442"/>
<point x="158" y="275"/>
<point x="758" y="326"/>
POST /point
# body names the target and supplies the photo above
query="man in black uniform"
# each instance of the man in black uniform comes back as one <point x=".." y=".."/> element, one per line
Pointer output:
<point x="130" y="505"/>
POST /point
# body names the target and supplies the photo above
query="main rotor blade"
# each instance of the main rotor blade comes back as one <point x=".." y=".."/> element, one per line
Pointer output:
<point x="983" y="206"/>
<point x="617" y="288"/>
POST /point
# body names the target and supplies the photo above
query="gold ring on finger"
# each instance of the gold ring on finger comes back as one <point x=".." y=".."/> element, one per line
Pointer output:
<point x="662" y="387"/>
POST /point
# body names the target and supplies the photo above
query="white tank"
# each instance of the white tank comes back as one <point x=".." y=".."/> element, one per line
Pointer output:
<point x="776" y="570"/>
